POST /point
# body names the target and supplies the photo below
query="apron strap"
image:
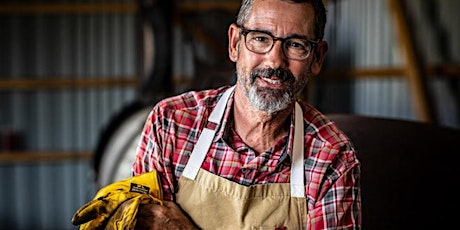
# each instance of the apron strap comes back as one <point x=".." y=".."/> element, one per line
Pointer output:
<point x="297" y="167"/>
<point x="204" y="141"/>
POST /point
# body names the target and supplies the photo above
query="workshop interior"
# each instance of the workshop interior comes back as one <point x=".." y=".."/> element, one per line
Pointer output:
<point x="79" y="77"/>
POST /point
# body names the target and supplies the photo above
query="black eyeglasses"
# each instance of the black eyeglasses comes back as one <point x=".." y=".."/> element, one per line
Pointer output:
<point x="262" y="42"/>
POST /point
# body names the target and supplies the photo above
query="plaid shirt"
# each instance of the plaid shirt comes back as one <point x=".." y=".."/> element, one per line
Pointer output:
<point x="332" y="170"/>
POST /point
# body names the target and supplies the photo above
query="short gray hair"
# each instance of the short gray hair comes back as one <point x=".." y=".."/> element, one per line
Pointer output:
<point x="318" y="7"/>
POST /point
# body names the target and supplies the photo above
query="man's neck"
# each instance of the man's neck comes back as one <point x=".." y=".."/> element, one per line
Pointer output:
<point x="259" y="130"/>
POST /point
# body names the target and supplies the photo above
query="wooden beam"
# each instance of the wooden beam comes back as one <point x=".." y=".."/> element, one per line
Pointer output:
<point x="40" y="157"/>
<point x="413" y="70"/>
<point x="439" y="71"/>
<point x="57" y="83"/>
<point x="68" y="8"/>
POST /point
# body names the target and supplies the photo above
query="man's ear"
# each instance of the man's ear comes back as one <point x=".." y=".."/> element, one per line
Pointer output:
<point x="233" y="42"/>
<point x="320" y="54"/>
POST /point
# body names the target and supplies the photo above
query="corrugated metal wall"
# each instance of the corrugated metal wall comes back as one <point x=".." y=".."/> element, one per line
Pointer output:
<point x="45" y="195"/>
<point x="361" y="34"/>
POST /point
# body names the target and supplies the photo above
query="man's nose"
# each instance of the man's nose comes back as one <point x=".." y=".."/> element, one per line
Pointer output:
<point x="276" y="55"/>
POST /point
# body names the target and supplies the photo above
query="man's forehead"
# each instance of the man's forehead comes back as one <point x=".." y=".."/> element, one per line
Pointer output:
<point x="294" y="17"/>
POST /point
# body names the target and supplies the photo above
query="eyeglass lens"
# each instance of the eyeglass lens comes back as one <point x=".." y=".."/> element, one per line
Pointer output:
<point x="294" y="48"/>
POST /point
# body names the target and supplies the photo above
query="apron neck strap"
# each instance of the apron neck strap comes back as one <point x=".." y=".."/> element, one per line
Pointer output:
<point x="207" y="136"/>
<point x="297" y="167"/>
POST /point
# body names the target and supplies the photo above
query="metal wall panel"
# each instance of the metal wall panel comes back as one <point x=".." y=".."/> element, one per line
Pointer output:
<point x="361" y="34"/>
<point x="45" y="195"/>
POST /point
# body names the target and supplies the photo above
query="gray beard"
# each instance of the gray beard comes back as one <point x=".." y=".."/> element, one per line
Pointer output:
<point x="265" y="101"/>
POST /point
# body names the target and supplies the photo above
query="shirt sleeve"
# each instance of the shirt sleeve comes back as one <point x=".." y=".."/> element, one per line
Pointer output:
<point x="149" y="153"/>
<point x="339" y="202"/>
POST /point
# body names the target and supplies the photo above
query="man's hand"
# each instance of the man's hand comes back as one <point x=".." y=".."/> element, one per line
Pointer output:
<point x="167" y="216"/>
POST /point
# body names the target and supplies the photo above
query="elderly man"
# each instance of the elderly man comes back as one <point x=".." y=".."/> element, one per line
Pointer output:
<point x="253" y="155"/>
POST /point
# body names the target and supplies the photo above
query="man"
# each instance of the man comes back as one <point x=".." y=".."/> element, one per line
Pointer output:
<point x="254" y="156"/>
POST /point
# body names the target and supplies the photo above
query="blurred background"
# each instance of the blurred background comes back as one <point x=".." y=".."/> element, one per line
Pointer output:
<point x="77" y="78"/>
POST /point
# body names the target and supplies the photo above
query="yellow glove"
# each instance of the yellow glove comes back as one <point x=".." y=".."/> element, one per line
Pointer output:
<point x="125" y="216"/>
<point x="104" y="210"/>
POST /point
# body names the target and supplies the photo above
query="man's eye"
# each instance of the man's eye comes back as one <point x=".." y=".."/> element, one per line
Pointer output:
<point x="297" y="45"/>
<point x="261" y="39"/>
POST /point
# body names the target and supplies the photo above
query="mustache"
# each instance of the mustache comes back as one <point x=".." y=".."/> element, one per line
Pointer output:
<point x="280" y="73"/>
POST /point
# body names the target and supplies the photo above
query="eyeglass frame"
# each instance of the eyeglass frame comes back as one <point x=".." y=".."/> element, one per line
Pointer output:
<point x="245" y="32"/>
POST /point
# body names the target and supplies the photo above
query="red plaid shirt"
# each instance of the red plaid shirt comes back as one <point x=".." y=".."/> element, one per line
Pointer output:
<point x="332" y="171"/>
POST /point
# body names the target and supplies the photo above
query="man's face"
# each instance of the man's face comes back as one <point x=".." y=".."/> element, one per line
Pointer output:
<point x="271" y="80"/>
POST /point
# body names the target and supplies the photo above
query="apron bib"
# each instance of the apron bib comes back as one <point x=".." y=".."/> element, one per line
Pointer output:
<point x="214" y="202"/>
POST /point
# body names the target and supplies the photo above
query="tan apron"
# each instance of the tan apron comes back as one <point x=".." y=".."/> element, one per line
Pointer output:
<point x="214" y="202"/>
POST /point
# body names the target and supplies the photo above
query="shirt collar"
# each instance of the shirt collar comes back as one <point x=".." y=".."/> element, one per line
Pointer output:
<point x="226" y="120"/>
